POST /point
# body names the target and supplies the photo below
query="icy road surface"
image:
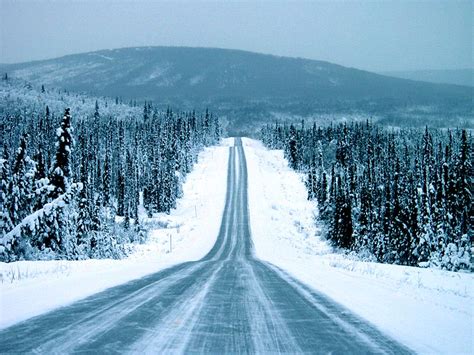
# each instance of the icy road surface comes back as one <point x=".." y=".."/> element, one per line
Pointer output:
<point x="227" y="302"/>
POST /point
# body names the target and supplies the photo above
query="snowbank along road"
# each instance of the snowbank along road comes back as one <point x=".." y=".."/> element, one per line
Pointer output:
<point x="227" y="302"/>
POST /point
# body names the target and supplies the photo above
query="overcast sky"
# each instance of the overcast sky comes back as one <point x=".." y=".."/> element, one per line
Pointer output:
<point x="372" y="35"/>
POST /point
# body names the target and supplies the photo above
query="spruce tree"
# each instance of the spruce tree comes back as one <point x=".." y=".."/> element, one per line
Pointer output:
<point x="61" y="170"/>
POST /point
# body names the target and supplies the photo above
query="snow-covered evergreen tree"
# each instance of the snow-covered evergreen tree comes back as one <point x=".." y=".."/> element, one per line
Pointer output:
<point x="61" y="170"/>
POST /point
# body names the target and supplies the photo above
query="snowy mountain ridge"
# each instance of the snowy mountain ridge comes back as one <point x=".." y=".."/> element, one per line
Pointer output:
<point x="243" y="86"/>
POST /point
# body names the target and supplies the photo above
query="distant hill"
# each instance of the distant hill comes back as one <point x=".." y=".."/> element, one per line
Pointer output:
<point x="246" y="88"/>
<point x="455" y="76"/>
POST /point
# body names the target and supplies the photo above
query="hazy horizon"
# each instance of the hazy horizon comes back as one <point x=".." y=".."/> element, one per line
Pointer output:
<point x="375" y="36"/>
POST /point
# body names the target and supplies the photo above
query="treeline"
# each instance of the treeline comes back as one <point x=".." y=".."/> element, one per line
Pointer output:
<point x="397" y="196"/>
<point x="71" y="187"/>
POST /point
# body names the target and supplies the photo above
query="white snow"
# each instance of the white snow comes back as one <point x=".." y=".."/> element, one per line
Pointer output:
<point x="429" y="310"/>
<point x="30" y="288"/>
<point x="102" y="56"/>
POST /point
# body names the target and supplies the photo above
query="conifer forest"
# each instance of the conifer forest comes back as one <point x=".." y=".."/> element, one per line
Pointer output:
<point x="399" y="196"/>
<point x="72" y="179"/>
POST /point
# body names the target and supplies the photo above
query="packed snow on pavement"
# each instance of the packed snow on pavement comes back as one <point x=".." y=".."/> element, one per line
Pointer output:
<point x="429" y="310"/>
<point x="30" y="288"/>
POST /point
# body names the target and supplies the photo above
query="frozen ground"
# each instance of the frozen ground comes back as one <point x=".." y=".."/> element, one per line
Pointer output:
<point x="29" y="288"/>
<point x="431" y="311"/>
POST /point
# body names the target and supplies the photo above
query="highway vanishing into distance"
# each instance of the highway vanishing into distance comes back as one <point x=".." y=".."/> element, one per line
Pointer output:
<point x="227" y="302"/>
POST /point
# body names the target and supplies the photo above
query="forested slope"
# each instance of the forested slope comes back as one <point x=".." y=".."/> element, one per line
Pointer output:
<point x="75" y="169"/>
<point x="249" y="89"/>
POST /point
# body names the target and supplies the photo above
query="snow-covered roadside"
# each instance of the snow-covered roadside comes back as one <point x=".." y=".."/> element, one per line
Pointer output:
<point x="29" y="288"/>
<point x="431" y="311"/>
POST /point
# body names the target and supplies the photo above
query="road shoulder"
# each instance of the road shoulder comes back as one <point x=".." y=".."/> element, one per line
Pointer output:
<point x="31" y="288"/>
<point x="428" y="310"/>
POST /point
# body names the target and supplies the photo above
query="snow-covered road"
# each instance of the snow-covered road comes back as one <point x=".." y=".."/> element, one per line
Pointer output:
<point x="228" y="301"/>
